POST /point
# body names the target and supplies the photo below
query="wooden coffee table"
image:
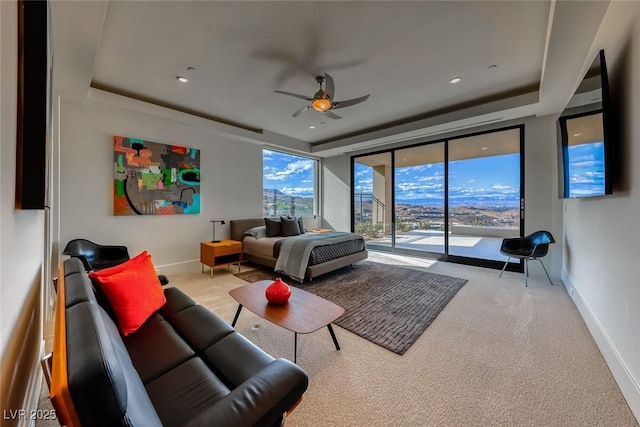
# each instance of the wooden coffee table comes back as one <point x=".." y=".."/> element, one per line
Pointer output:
<point x="302" y="314"/>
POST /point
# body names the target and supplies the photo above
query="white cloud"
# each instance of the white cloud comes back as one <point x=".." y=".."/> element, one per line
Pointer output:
<point x="501" y="187"/>
<point x="297" y="191"/>
<point x="292" y="168"/>
<point x="430" y="178"/>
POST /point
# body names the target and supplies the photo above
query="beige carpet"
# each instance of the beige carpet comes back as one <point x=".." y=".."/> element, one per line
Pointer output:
<point x="499" y="354"/>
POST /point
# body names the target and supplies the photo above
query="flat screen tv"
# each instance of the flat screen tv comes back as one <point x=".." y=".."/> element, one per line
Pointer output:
<point x="585" y="149"/>
<point x="33" y="104"/>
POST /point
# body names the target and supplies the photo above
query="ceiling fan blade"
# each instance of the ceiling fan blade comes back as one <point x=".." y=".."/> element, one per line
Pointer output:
<point x="302" y="110"/>
<point x="306" y="98"/>
<point x="349" y="102"/>
<point x="283" y="76"/>
<point x="329" y="86"/>
<point x="332" y="115"/>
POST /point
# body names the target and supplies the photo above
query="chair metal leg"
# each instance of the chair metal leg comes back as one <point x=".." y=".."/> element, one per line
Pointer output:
<point x="545" y="271"/>
<point x="526" y="272"/>
<point x="505" y="266"/>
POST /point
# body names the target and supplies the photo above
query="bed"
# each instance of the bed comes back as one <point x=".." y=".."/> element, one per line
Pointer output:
<point x="326" y="251"/>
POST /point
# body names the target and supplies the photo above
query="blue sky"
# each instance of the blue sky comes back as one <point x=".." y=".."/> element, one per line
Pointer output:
<point x="292" y="175"/>
<point x="495" y="178"/>
<point x="586" y="169"/>
<point x="487" y="178"/>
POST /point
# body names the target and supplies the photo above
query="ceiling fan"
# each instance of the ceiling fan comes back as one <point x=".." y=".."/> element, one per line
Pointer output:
<point x="322" y="100"/>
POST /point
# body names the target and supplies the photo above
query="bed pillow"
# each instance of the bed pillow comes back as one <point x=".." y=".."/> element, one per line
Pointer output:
<point x="134" y="294"/>
<point x="289" y="226"/>
<point x="273" y="227"/>
<point x="257" y="232"/>
<point x="301" y="225"/>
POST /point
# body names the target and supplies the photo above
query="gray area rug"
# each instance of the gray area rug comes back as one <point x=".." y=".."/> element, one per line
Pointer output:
<point x="388" y="305"/>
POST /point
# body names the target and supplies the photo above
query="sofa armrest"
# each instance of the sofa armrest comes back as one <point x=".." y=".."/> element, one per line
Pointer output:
<point x="259" y="401"/>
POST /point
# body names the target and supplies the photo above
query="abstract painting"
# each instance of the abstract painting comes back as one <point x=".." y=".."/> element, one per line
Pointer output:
<point x="155" y="179"/>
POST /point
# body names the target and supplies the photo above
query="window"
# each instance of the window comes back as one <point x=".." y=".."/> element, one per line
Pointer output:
<point x="289" y="184"/>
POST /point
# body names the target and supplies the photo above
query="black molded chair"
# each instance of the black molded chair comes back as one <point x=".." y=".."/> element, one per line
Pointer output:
<point x="95" y="256"/>
<point x="531" y="247"/>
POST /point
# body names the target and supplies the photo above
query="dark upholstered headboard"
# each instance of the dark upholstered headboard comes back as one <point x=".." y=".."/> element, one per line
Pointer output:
<point x="239" y="226"/>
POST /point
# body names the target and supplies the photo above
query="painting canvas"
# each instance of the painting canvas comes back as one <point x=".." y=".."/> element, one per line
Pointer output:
<point x="155" y="179"/>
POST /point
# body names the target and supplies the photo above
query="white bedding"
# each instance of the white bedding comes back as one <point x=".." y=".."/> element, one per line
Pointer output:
<point x="262" y="246"/>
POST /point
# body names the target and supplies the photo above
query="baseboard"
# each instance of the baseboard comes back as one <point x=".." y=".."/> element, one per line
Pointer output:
<point x="628" y="385"/>
<point x="178" y="267"/>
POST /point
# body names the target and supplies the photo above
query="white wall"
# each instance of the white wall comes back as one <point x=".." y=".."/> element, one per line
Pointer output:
<point x="231" y="183"/>
<point x="601" y="235"/>
<point x="336" y="193"/>
<point x="543" y="208"/>
<point x="21" y="232"/>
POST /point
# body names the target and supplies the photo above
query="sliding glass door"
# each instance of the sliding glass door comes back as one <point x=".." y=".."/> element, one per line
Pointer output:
<point x="419" y="198"/>
<point x="372" y="199"/>
<point x="484" y="193"/>
<point x="453" y="199"/>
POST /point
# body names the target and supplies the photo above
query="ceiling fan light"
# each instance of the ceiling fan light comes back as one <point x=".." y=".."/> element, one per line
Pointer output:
<point x="321" y="104"/>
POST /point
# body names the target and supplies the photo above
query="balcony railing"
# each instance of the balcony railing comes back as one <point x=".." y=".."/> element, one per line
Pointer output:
<point x="275" y="204"/>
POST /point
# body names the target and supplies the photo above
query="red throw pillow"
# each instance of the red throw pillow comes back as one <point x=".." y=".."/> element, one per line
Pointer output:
<point x="134" y="293"/>
<point x="120" y="267"/>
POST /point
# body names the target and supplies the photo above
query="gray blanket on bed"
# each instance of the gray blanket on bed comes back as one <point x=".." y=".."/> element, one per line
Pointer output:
<point x="295" y="251"/>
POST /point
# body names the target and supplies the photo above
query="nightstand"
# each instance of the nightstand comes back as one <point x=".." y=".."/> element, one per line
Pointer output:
<point x="223" y="253"/>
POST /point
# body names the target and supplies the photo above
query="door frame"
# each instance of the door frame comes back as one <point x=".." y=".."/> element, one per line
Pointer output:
<point x="512" y="266"/>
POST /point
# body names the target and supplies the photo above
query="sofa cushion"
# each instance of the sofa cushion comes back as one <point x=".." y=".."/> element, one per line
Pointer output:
<point x="223" y="356"/>
<point x="78" y="289"/>
<point x="176" y="302"/>
<point x="156" y="335"/>
<point x="199" y="326"/>
<point x="134" y="293"/>
<point x="72" y="266"/>
<point x="98" y="361"/>
<point x="193" y="389"/>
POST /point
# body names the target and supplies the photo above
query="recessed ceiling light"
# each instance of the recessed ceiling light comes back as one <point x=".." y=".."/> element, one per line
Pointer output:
<point x="493" y="66"/>
<point x="577" y="134"/>
<point x="182" y="79"/>
<point x="455" y="80"/>
<point x="484" y="148"/>
<point x="312" y="127"/>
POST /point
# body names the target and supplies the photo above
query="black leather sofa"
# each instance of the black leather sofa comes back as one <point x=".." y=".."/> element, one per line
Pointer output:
<point x="184" y="367"/>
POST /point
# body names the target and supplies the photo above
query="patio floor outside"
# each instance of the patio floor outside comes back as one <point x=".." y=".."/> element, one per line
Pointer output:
<point x="482" y="247"/>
